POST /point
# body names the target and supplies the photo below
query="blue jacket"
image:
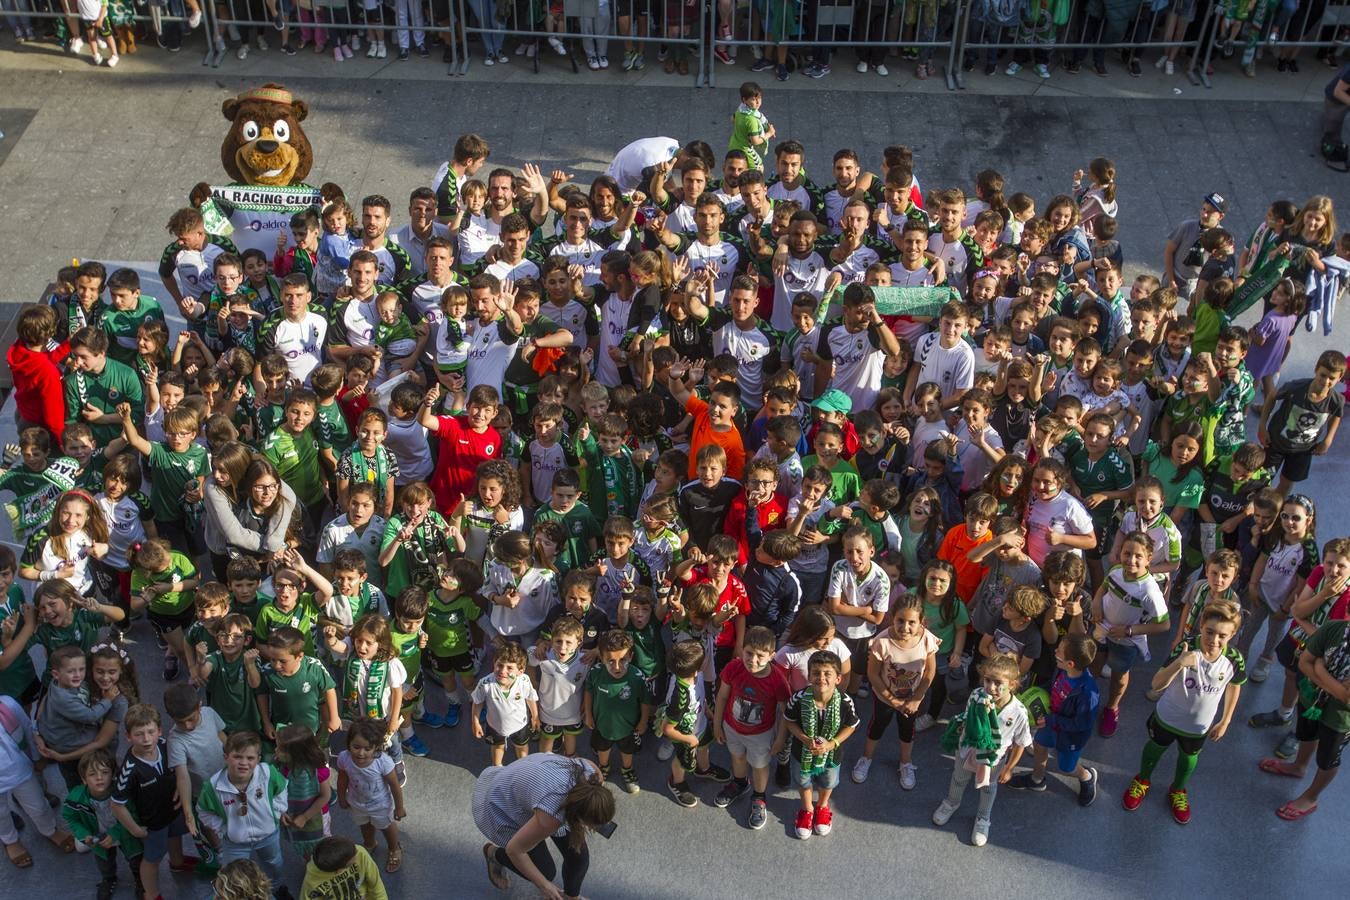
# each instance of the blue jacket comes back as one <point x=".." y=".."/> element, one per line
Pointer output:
<point x="1072" y="725"/>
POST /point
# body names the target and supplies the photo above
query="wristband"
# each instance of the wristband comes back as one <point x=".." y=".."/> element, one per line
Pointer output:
<point x="46" y="576"/>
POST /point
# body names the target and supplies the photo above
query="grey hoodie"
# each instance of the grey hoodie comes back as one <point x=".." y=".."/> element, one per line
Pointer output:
<point x="67" y="721"/>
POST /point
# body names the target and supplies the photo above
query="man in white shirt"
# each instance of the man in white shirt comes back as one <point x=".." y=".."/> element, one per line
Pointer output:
<point x="422" y="227"/>
<point x="295" y="331"/>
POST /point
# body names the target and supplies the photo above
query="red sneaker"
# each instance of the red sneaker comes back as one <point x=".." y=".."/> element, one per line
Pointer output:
<point x="1181" y="806"/>
<point x="1134" y="794"/>
<point x="1110" y="720"/>
<point x="823" y="820"/>
<point x="803" y="824"/>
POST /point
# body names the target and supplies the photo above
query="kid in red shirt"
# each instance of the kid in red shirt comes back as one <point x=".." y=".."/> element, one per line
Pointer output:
<point x="748" y="721"/>
<point x="33" y="361"/>
<point x="465" y="441"/>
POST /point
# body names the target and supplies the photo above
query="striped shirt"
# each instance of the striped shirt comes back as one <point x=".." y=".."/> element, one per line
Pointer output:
<point x="505" y="798"/>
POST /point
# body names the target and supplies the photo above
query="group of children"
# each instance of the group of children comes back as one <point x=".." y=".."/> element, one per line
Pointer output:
<point x="976" y="475"/>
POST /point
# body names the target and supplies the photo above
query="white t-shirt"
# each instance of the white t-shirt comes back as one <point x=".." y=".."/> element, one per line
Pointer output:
<point x="794" y="660"/>
<point x="489" y="355"/>
<point x="538" y="590"/>
<point x="1191" y="701"/>
<point x="1281" y="573"/>
<point x="560" y="687"/>
<point x="627" y="165"/>
<point x="1063" y="513"/>
<point x="476" y="238"/>
<point x="975" y="463"/>
<point x="367" y="790"/>
<point x="1013" y="727"/>
<point x="301" y="343"/>
<point x="507" y="710"/>
<point x="1127" y="602"/>
<point x="340" y="534"/>
<point x="199" y="749"/>
<point x="925" y="433"/>
<point x="505" y="271"/>
<point x="954" y="255"/>
<point x="407" y="440"/>
<point x="545" y="462"/>
<point x="801" y="276"/>
<point x="872" y="591"/>
<point x="77" y="552"/>
<point x="858" y="362"/>
<point x="124" y="529"/>
<point x="951" y="369"/>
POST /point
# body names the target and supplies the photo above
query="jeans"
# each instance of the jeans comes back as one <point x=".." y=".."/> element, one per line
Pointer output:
<point x="408" y="12"/>
<point x="575" y="863"/>
<point x="485" y="12"/>
<point x="267" y="851"/>
<point x="961" y="779"/>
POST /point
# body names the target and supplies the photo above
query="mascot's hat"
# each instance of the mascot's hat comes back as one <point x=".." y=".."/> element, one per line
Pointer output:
<point x="270" y="94"/>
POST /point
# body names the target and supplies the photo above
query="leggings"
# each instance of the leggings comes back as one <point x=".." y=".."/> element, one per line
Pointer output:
<point x="574" y="866"/>
<point x="29" y="796"/>
<point x="1160" y="737"/>
<point x="882" y="713"/>
<point x="937" y="692"/>
<point x="961" y="776"/>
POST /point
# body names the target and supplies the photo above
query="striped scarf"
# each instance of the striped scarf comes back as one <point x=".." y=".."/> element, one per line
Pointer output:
<point x="371" y="705"/>
<point x="1337" y="662"/>
<point x="813" y="763"/>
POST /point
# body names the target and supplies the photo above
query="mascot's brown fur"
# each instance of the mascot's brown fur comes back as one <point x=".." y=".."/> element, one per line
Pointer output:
<point x="266" y="144"/>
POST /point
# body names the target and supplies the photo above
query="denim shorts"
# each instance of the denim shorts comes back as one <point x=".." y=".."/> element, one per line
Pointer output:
<point x="827" y="780"/>
<point x="1122" y="657"/>
<point x="1065" y="760"/>
<point x="156" y="842"/>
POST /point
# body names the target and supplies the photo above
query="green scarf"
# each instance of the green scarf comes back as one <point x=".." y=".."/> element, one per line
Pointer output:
<point x="975" y="729"/>
<point x="813" y="764"/>
<point x="1258" y="285"/>
<point x="372" y="705"/>
<point x="375" y="473"/>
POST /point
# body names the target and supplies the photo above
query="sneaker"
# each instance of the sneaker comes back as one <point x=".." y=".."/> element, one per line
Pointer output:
<point x="430" y="720"/>
<point x="1134" y="794"/>
<point x="713" y="773"/>
<point x="488" y="60"/>
<point x="604" y="62"/>
<point x="860" y="769"/>
<point x="909" y="776"/>
<point x="382" y="52"/>
<point x="422" y="51"/>
<point x="943" y="814"/>
<point x="279" y="21"/>
<point x="98" y="61"/>
<point x="113" y="60"/>
<point x="989" y="68"/>
<point x="557" y="46"/>
<point x="1087" y="790"/>
<point x="75" y="45"/>
<point x="1073" y="67"/>
<point x="923" y="723"/>
<point x="521" y="49"/>
<point x="1042" y="70"/>
<point x="763" y="64"/>
<point x="1162" y="61"/>
<point x="260" y="42"/>
<point x="242" y="52"/>
<point x="880" y="69"/>
<point x="452" y="715"/>
<point x="1288" y="747"/>
<point x="665" y="750"/>
<point x="1013" y="68"/>
<point x="759" y="814"/>
<point x="195" y="19"/>
<point x="1110" y="721"/>
<point x="662" y="51"/>
<point x="813" y="70"/>
<point x="1181" y="806"/>
<point x="862" y="67"/>
<point x="1270" y="719"/>
<point x="170" y="661"/>
<point x="730" y="794"/>
<point x="781" y="73"/>
<point x="628" y="58"/>
<point x="1027" y="782"/>
<point x="824" y="68"/>
<point x="1261" y="671"/>
<point x="979" y="835"/>
<point x="403" y="54"/>
<point x="1170" y="68"/>
<point x="682" y="794"/>
<point x="401" y="772"/>
<point x="628" y="780"/>
<point x="638" y="62"/>
<point x="416" y="746"/>
<point x="823" y="821"/>
<point x="337" y="54"/>
<point x="355" y="42"/>
<point x="803" y="824"/>
<point x="288" y="49"/>
<point x="373" y="48"/>
<point x="1100" y="69"/>
<point x="593" y="63"/>
<point x="723" y="56"/>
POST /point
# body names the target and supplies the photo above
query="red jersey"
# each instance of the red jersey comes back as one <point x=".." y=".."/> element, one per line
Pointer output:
<point x="752" y="707"/>
<point x="851" y="441"/>
<point x="732" y="596"/>
<point x="461" y="449"/>
<point x="772" y="515"/>
<point x="37" y="386"/>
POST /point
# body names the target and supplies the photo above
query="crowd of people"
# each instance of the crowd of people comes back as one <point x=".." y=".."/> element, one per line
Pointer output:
<point x="705" y="453"/>
<point x="777" y="36"/>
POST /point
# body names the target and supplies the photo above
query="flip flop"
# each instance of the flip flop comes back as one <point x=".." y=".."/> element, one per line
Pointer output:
<point x="1272" y="766"/>
<point x="395" y="860"/>
<point x="18" y="854"/>
<point x="1290" y="814"/>
<point x="494" y="869"/>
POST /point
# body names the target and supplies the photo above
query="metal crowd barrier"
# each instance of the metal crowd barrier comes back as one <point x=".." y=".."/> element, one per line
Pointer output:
<point x="168" y="19"/>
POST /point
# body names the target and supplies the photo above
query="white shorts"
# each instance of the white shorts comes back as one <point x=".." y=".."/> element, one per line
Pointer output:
<point x="379" y="819"/>
<point x="756" y="748"/>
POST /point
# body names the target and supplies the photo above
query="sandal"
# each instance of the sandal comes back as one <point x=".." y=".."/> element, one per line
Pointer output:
<point x="1291" y="813"/>
<point x="1272" y="766"/>
<point x="18" y="854"/>
<point x="395" y="860"/>
<point x="496" y="874"/>
<point x="63" y="840"/>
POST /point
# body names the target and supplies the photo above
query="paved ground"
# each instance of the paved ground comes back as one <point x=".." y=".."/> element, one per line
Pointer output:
<point x="103" y="190"/>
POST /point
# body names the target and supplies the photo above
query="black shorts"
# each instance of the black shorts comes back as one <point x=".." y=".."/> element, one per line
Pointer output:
<point x="1161" y="734"/>
<point x="163" y="623"/>
<point x="1330" y="742"/>
<point x="627" y="744"/>
<point x="1291" y="464"/>
<point x="857" y="652"/>
<point x="687" y="756"/>
<point x="520" y="739"/>
<point x="443" y="665"/>
<point x="557" y="731"/>
<point x="1286" y="651"/>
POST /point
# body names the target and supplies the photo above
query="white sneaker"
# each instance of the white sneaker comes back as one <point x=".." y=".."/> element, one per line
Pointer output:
<point x="521" y="48"/>
<point x="604" y="62"/>
<point x="372" y="50"/>
<point x="593" y="63"/>
<point x="1170" y="68"/>
<point x="943" y="814"/>
<point x="195" y="19"/>
<point x="924" y="722"/>
<point x="1013" y="68"/>
<point x="1162" y="61"/>
<point x="356" y="42"/>
<point x="557" y="46"/>
<point x="665" y="750"/>
<point x="1261" y="671"/>
<point x="75" y="45"/>
<point x="98" y="58"/>
<point x="860" y="769"/>
<point x="909" y="776"/>
<point x="113" y="61"/>
<point x="531" y="51"/>
<point x="1042" y="70"/>
<point x="380" y="51"/>
<point x="261" y="42"/>
<point x="242" y="52"/>
<point x="979" y="835"/>
<point x="488" y="60"/>
<point x="862" y="67"/>
<point x="882" y="70"/>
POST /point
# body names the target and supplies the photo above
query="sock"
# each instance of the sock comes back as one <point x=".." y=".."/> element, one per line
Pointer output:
<point x="454" y="695"/>
<point x="405" y="732"/>
<point x="1186" y="763"/>
<point x="1148" y="760"/>
<point x="758" y="795"/>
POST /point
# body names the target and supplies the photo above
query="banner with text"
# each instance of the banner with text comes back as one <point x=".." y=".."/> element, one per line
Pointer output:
<point x="253" y="215"/>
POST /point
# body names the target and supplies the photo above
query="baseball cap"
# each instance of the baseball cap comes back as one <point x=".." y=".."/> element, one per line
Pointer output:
<point x="1217" y="201"/>
<point x="833" y="400"/>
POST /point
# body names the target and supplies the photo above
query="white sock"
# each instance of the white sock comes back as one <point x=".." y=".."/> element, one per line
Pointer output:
<point x="1286" y="712"/>
<point x="405" y="732"/>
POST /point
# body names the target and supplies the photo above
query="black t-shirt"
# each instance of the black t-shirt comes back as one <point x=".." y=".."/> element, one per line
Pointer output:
<point x="1215" y="268"/>
<point x="593" y="624"/>
<point x="704" y="509"/>
<point x="1298" y="423"/>
<point x="147" y="788"/>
